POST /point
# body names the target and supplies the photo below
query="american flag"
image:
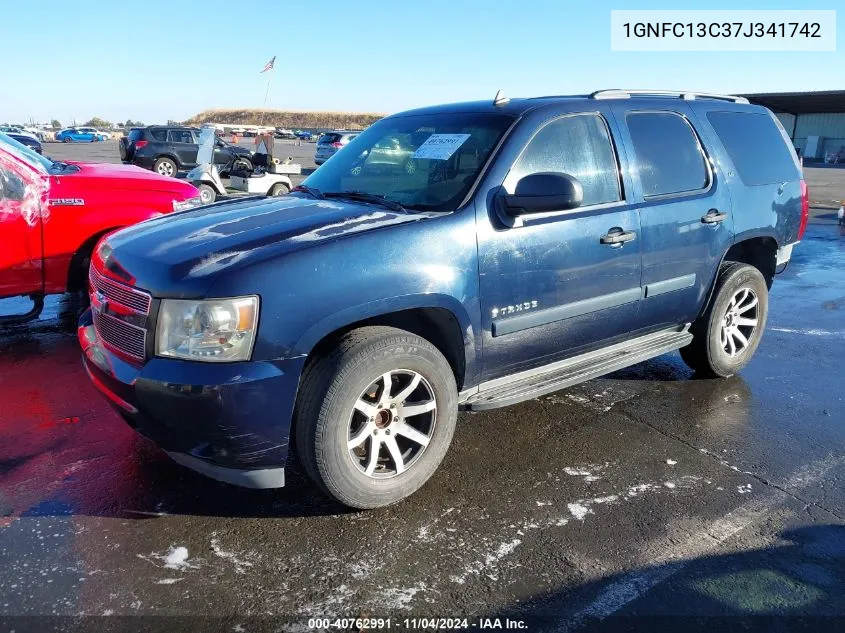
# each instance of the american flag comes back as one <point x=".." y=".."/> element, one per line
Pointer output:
<point x="269" y="65"/>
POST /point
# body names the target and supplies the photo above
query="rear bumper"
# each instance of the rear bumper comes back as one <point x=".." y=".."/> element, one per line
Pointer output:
<point x="146" y="162"/>
<point x="228" y="421"/>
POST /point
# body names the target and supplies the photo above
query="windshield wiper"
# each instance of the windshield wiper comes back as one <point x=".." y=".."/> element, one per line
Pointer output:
<point x="311" y="191"/>
<point x="363" y="196"/>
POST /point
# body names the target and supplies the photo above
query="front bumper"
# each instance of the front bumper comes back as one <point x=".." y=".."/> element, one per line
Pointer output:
<point x="229" y="421"/>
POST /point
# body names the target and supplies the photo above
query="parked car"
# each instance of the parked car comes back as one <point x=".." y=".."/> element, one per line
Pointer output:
<point x="103" y="135"/>
<point x="171" y="149"/>
<point x="390" y="153"/>
<point x="283" y="133"/>
<point x="13" y="129"/>
<point x="330" y="142"/>
<point x="85" y="135"/>
<point x="52" y="214"/>
<point x="303" y="135"/>
<point x="25" y="139"/>
<point x="537" y="243"/>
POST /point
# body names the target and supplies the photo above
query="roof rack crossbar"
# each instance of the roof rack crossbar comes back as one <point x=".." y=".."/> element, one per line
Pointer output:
<point x="687" y="95"/>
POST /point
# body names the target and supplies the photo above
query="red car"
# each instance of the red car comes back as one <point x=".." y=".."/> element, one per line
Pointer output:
<point x="53" y="213"/>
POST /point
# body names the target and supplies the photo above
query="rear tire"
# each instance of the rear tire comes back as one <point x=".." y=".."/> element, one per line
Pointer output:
<point x="207" y="193"/>
<point x="165" y="167"/>
<point x="279" y="189"/>
<point x="343" y="398"/>
<point x="66" y="139"/>
<point x="726" y="336"/>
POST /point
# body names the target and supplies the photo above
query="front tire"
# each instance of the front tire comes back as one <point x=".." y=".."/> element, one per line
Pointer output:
<point x="375" y="416"/>
<point x="726" y="336"/>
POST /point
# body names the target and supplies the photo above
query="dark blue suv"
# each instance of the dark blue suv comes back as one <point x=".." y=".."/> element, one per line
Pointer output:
<point x="489" y="253"/>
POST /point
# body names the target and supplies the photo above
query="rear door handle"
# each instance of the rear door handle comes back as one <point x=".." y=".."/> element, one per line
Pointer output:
<point x="617" y="237"/>
<point x="714" y="216"/>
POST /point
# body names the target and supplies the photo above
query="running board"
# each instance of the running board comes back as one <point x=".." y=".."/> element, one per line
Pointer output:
<point x="542" y="380"/>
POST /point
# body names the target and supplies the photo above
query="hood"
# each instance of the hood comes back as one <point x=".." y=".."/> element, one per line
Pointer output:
<point x="127" y="177"/>
<point x="240" y="150"/>
<point x="181" y="254"/>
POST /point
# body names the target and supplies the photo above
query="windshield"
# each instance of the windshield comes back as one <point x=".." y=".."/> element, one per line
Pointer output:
<point x="21" y="151"/>
<point x="425" y="162"/>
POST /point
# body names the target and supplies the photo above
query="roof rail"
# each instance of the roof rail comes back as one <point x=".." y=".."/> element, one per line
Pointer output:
<point x="687" y="95"/>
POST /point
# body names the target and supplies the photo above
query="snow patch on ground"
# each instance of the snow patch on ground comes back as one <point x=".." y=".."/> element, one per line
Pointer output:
<point x="579" y="510"/>
<point x="175" y="558"/>
<point x="811" y="332"/>
<point x="671" y="462"/>
<point x="398" y="598"/>
<point x="168" y="581"/>
<point x="743" y="490"/>
<point x="588" y="471"/>
<point x="490" y="559"/>
<point x="237" y="561"/>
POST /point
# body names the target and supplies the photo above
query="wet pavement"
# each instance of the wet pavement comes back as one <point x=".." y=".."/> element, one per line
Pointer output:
<point x="647" y="494"/>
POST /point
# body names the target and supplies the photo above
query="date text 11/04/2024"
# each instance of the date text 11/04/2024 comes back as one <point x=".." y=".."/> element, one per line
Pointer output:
<point x="426" y="624"/>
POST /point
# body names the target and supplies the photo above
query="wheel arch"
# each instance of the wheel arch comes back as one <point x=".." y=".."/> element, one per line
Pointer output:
<point x="76" y="278"/>
<point x="441" y="320"/>
<point x="758" y="250"/>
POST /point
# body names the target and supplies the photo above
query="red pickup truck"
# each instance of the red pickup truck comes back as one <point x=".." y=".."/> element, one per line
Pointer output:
<point x="52" y="214"/>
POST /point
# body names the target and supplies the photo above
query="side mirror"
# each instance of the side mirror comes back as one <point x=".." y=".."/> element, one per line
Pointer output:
<point x="542" y="192"/>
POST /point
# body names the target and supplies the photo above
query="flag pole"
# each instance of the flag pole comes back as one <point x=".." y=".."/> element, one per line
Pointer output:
<point x="266" y="95"/>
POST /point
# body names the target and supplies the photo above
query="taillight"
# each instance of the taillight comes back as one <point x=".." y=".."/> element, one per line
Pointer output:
<point x="337" y="144"/>
<point x="140" y="144"/>
<point x="805" y="209"/>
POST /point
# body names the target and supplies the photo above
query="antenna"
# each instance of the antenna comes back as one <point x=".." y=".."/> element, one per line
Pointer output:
<point x="500" y="98"/>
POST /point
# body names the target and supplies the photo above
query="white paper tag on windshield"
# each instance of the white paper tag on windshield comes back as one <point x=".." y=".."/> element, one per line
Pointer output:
<point x="440" y="146"/>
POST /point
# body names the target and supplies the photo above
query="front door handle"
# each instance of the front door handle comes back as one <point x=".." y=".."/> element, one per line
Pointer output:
<point x="714" y="216"/>
<point x="617" y="237"/>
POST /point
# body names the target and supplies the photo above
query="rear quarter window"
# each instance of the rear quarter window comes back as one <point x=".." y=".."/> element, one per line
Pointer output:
<point x="756" y="146"/>
<point x="159" y="135"/>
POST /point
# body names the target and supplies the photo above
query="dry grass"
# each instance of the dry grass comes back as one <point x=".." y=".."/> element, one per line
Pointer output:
<point x="286" y="119"/>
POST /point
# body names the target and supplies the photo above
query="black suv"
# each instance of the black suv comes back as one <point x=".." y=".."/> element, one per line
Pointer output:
<point x="170" y="149"/>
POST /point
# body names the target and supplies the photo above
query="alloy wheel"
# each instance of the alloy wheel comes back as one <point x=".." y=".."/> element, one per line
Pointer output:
<point x="739" y="323"/>
<point x="391" y="424"/>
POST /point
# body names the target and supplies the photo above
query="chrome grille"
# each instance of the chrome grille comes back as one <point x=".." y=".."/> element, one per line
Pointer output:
<point x="120" y="332"/>
<point x="115" y="292"/>
<point x="121" y="336"/>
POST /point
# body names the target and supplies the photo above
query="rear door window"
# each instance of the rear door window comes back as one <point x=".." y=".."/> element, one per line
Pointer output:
<point x="579" y="146"/>
<point x="180" y="136"/>
<point x="756" y="146"/>
<point x="669" y="158"/>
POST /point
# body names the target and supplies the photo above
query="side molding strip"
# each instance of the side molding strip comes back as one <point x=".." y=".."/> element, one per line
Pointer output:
<point x="565" y="311"/>
<point x="669" y="285"/>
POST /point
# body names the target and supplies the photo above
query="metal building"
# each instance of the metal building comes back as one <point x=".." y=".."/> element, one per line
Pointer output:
<point x="814" y="120"/>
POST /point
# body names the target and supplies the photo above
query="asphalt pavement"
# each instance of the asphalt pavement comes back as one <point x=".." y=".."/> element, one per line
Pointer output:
<point x="648" y="499"/>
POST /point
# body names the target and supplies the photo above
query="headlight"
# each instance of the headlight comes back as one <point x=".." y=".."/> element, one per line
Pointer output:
<point x="184" y="205"/>
<point x="212" y="330"/>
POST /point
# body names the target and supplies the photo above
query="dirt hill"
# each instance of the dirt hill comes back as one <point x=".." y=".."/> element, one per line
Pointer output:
<point x="287" y="119"/>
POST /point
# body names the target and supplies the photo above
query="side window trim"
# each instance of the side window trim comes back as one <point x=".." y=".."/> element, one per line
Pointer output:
<point x="708" y="165"/>
<point x="623" y="199"/>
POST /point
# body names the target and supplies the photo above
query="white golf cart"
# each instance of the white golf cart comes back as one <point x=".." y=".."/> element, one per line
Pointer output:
<point x="268" y="177"/>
